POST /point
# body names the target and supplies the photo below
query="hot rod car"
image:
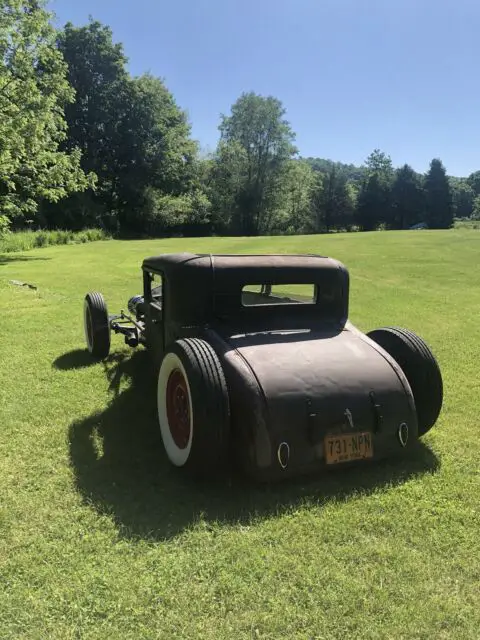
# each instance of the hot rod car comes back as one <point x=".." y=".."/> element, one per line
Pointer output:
<point x="257" y="364"/>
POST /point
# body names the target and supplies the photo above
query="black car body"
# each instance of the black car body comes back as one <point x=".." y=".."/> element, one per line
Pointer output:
<point x="258" y="364"/>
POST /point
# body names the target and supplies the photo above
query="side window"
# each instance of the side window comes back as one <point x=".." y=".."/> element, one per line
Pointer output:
<point x="153" y="288"/>
<point x="156" y="284"/>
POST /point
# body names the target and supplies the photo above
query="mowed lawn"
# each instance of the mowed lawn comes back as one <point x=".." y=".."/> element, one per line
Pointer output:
<point x="100" y="538"/>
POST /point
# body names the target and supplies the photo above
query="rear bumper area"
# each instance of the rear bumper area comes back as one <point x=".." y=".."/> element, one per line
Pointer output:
<point x="305" y="402"/>
<point x="309" y="458"/>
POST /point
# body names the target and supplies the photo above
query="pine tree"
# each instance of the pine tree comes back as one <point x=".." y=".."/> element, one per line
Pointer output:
<point x="374" y="205"/>
<point x="407" y="198"/>
<point x="439" y="205"/>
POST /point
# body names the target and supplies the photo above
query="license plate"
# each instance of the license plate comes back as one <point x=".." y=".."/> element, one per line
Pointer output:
<point x="348" y="446"/>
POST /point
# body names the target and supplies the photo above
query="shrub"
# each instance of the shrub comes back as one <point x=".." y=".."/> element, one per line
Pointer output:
<point x="26" y="240"/>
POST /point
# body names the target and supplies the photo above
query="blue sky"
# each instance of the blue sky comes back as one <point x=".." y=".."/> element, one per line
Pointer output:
<point x="353" y="75"/>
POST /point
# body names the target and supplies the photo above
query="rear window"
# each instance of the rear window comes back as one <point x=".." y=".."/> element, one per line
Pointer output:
<point x="260" y="294"/>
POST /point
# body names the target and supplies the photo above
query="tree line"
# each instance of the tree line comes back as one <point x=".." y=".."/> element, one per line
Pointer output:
<point x="85" y="144"/>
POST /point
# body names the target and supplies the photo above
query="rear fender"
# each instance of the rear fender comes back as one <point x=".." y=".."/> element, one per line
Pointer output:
<point x="393" y="363"/>
<point x="252" y="447"/>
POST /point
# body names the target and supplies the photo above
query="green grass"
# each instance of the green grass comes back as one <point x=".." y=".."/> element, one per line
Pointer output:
<point x="100" y="538"/>
<point x="26" y="240"/>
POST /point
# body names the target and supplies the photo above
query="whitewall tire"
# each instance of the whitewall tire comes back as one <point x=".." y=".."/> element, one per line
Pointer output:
<point x="173" y="391"/>
<point x="193" y="407"/>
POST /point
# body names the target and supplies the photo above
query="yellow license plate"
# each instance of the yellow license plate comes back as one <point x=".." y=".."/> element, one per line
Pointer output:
<point x="348" y="446"/>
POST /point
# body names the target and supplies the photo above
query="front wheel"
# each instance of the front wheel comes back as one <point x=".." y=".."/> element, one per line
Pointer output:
<point x="96" y="325"/>
<point x="193" y="407"/>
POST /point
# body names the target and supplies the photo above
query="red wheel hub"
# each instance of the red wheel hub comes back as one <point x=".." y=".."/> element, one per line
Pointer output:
<point x="178" y="408"/>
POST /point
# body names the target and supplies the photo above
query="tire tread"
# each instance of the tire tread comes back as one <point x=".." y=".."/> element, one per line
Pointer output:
<point x="100" y="324"/>
<point x="211" y="410"/>
<point x="420" y="367"/>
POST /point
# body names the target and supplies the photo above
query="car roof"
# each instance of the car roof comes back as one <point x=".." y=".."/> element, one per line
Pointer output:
<point x="222" y="261"/>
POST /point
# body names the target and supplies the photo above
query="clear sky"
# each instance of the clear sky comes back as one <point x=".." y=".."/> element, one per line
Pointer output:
<point x="353" y="75"/>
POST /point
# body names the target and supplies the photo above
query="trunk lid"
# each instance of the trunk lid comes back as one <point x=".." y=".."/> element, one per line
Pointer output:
<point x="320" y="384"/>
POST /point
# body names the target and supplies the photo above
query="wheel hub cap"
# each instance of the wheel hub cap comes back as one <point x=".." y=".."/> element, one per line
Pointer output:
<point x="178" y="409"/>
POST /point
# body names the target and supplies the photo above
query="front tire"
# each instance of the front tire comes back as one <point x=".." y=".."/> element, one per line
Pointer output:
<point x="193" y="407"/>
<point x="96" y="325"/>
<point x="420" y="368"/>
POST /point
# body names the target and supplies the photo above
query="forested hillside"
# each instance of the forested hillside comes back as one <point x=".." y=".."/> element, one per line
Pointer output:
<point x="86" y="144"/>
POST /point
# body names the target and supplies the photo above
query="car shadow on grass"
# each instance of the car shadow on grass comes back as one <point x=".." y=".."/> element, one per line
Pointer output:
<point x="76" y="359"/>
<point x="7" y="258"/>
<point x="121" y="469"/>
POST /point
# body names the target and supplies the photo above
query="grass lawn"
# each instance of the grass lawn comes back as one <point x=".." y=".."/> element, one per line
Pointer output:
<point x="100" y="538"/>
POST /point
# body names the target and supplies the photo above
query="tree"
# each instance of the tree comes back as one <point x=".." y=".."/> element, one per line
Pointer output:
<point x="476" y="208"/>
<point x="34" y="92"/>
<point x="352" y="173"/>
<point x="473" y="181"/>
<point x="96" y="70"/>
<point x="439" y="206"/>
<point x="295" y="215"/>
<point x="132" y="134"/>
<point x="463" y="197"/>
<point x="347" y="217"/>
<point x="223" y="184"/>
<point x="374" y="198"/>
<point x="264" y="143"/>
<point x="379" y="163"/>
<point x="334" y="201"/>
<point x="407" y="198"/>
<point x="155" y="156"/>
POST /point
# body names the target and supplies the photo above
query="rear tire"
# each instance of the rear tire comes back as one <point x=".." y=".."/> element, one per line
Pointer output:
<point x="193" y="407"/>
<point x="96" y="325"/>
<point x="420" y="368"/>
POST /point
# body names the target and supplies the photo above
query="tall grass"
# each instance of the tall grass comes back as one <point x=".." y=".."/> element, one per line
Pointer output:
<point x="466" y="223"/>
<point x="26" y="240"/>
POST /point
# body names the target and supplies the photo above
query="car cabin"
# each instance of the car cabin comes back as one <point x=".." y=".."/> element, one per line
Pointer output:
<point x="244" y="292"/>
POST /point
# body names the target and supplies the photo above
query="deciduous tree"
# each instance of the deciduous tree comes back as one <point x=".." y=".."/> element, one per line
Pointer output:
<point x="34" y="92"/>
<point x="463" y="196"/>
<point x="257" y="126"/>
<point x="133" y="135"/>
<point x="295" y="212"/>
<point x="334" y="201"/>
